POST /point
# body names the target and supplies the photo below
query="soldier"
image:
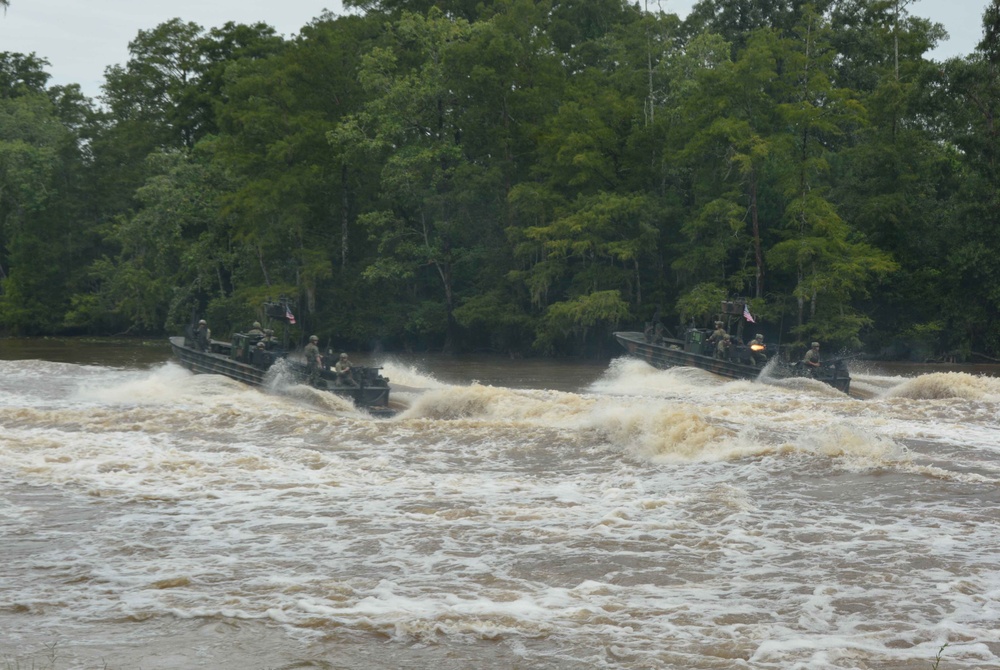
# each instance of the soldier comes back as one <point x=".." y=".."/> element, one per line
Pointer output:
<point x="343" y="370"/>
<point x="256" y="331"/>
<point x="658" y="333"/>
<point x="718" y="334"/>
<point x="757" y="348"/>
<point x="314" y="361"/>
<point x="270" y="341"/>
<point x="202" y="336"/>
<point x="654" y="333"/>
<point x="811" y="358"/>
<point x="261" y="358"/>
<point x="722" y="348"/>
<point x="714" y="340"/>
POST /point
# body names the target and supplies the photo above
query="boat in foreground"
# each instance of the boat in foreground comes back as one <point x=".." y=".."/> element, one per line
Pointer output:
<point x="243" y="361"/>
<point x="696" y="350"/>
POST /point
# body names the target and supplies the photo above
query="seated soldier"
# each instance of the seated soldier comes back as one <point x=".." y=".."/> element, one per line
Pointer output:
<point x="811" y="359"/>
<point x="343" y="370"/>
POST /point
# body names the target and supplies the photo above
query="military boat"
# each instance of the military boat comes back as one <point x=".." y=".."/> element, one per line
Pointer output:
<point x="242" y="360"/>
<point x="695" y="350"/>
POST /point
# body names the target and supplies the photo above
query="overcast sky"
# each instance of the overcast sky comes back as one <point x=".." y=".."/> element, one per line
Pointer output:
<point x="80" y="38"/>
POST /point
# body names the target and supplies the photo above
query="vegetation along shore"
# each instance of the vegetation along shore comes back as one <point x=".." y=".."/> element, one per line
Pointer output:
<point x="516" y="176"/>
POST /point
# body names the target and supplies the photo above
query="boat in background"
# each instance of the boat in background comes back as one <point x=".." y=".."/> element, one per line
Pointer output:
<point x="697" y="350"/>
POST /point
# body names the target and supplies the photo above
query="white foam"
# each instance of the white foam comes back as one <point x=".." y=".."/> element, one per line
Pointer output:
<point x="672" y="519"/>
<point x="408" y="375"/>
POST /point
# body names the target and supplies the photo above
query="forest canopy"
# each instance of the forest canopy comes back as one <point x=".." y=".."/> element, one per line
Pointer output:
<point x="518" y="176"/>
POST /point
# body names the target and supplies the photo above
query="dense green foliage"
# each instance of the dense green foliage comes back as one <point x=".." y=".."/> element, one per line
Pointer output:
<point x="517" y="176"/>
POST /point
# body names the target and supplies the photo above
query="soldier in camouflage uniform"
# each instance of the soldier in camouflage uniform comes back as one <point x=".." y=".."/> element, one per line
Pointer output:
<point x="270" y="341"/>
<point x="202" y="336"/>
<point x="811" y="359"/>
<point x="260" y="357"/>
<point x="718" y="334"/>
<point x="314" y="361"/>
<point x="255" y="331"/>
<point x="343" y="370"/>
<point x="722" y="348"/>
<point x="757" y="357"/>
<point x="716" y="338"/>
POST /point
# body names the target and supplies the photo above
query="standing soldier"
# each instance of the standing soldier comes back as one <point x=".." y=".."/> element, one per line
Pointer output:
<point x="202" y="336"/>
<point x="314" y="361"/>
<point x="714" y="340"/>
<point x="256" y="331"/>
<point x="718" y="334"/>
<point x="722" y="348"/>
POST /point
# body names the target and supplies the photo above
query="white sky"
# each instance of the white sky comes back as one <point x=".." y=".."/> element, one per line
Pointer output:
<point x="80" y="38"/>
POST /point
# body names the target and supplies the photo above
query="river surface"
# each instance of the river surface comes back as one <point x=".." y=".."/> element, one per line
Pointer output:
<point x="514" y="514"/>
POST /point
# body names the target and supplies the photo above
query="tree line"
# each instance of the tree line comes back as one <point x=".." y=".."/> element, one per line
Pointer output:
<point x="519" y="176"/>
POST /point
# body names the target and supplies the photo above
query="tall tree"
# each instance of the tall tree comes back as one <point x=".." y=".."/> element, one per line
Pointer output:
<point x="164" y="96"/>
<point x="512" y="77"/>
<point x="296" y="201"/>
<point x="168" y="263"/>
<point x="760" y="135"/>
<point x="832" y="261"/>
<point x="732" y="116"/>
<point x="467" y="10"/>
<point x="586" y="222"/>
<point x="737" y="20"/>
<point x="150" y="91"/>
<point x="971" y="98"/>
<point x="20" y="74"/>
<point x="413" y="123"/>
<point x="41" y="163"/>
<point x="894" y="178"/>
<point x="217" y="51"/>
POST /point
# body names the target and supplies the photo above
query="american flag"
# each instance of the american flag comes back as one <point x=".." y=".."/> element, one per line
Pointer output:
<point x="746" y="314"/>
<point x="289" y="315"/>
